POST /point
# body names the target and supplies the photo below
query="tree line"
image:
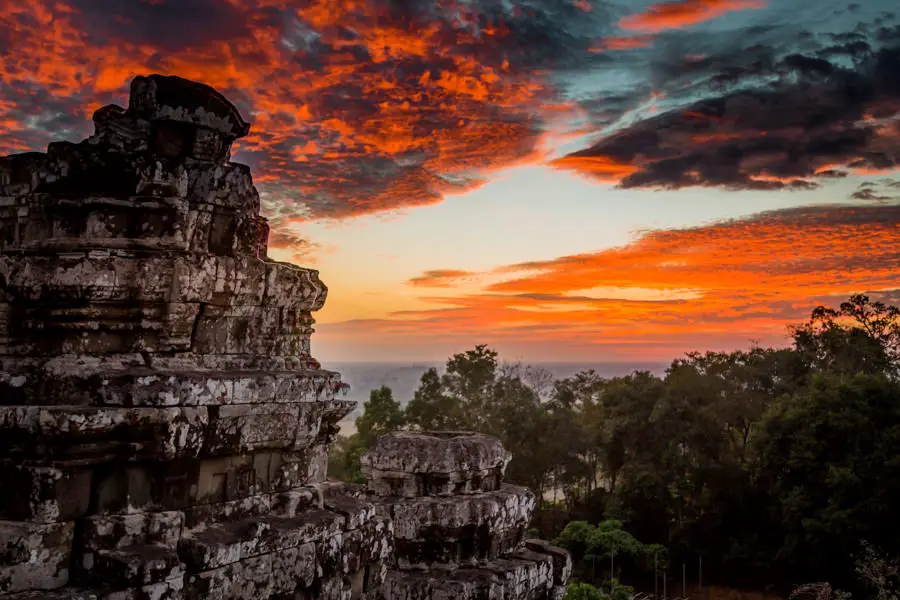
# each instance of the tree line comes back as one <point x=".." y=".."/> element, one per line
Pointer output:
<point x="774" y="466"/>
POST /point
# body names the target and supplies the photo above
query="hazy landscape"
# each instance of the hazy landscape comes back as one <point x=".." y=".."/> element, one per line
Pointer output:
<point x="403" y="378"/>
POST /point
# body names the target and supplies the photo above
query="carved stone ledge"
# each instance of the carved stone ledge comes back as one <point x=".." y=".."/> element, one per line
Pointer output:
<point x="412" y="464"/>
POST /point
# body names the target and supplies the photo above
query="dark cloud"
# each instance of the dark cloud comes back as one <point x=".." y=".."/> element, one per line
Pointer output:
<point x="869" y="194"/>
<point x="166" y="25"/>
<point x="880" y="190"/>
<point x="810" y="117"/>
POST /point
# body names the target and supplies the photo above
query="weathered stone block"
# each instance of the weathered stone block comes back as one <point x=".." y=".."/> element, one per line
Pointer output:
<point x="166" y="590"/>
<point x="209" y="145"/>
<point x="114" y="127"/>
<point x="502" y="578"/>
<point x="167" y="98"/>
<point x="116" y="532"/>
<point x="241" y="428"/>
<point x="34" y="556"/>
<point x="333" y="588"/>
<point x="43" y="494"/>
<point x="19" y="172"/>
<point x="355" y="511"/>
<point x="411" y="464"/>
<point x="316" y="463"/>
<point x="297" y="501"/>
<point x="62" y="224"/>
<point x="228" y="184"/>
<point x="250" y="578"/>
<point x="99" y="434"/>
<point x="216" y="545"/>
<point x="507" y="508"/>
<point x="215" y="488"/>
<point x="246" y="330"/>
<point x="103" y="328"/>
<point x="293" y="568"/>
<point x="286" y="283"/>
<point x="72" y="381"/>
<point x="66" y="593"/>
<point x="562" y="560"/>
<point x="239" y="282"/>
<point x="233" y="510"/>
<point x="91" y="276"/>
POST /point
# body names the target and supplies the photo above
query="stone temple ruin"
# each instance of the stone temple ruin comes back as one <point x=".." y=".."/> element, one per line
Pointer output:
<point x="163" y="427"/>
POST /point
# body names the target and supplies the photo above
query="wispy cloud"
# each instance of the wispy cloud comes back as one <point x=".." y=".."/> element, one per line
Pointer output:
<point x="683" y="13"/>
<point x="669" y="291"/>
<point x="440" y="278"/>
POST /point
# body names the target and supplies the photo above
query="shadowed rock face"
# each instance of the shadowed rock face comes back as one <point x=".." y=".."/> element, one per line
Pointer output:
<point x="163" y="427"/>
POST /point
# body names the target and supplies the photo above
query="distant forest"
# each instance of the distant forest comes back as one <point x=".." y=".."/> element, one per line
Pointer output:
<point x="773" y="466"/>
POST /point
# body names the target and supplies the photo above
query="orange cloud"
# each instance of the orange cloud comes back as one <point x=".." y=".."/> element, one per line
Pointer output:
<point x="301" y="250"/>
<point x="683" y="13"/>
<point x="440" y="278"/>
<point x="602" y="168"/>
<point x="668" y="292"/>
<point x="357" y="106"/>
<point x="624" y="43"/>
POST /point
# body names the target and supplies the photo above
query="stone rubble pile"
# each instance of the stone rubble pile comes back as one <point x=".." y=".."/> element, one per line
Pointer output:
<point x="163" y="427"/>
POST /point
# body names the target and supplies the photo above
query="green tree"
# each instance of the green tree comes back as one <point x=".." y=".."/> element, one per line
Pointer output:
<point x="861" y="336"/>
<point x="583" y="591"/>
<point x="830" y="456"/>
<point x="431" y="408"/>
<point x="343" y="459"/>
<point x="593" y="545"/>
<point x="381" y="414"/>
<point x="575" y="538"/>
<point x="609" y="540"/>
<point x="475" y="394"/>
<point x="515" y="414"/>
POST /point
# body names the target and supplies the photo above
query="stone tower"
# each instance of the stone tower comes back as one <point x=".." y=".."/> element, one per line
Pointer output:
<point x="163" y="427"/>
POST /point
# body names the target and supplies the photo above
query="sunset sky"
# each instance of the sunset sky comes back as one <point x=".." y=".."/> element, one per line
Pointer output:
<point x="565" y="180"/>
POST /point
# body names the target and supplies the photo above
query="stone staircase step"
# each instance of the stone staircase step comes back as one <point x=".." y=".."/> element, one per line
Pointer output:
<point x="216" y="545"/>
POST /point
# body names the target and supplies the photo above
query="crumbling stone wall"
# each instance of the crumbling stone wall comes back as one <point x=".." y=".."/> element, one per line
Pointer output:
<point x="163" y="427"/>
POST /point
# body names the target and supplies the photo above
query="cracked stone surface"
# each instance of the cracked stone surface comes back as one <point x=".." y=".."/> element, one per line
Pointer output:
<point x="163" y="426"/>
